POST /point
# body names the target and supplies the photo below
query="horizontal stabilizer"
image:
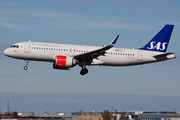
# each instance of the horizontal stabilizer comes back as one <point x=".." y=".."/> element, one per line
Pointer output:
<point x="165" y="56"/>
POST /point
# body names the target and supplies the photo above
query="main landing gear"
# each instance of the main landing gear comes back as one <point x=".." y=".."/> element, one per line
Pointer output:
<point x="25" y="67"/>
<point x="84" y="69"/>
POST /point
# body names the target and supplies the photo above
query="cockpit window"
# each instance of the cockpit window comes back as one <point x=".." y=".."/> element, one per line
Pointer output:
<point x="15" y="46"/>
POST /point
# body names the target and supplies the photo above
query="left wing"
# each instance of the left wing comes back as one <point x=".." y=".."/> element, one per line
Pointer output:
<point x="89" y="56"/>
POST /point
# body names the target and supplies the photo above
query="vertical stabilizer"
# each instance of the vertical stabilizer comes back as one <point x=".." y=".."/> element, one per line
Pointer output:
<point x="161" y="40"/>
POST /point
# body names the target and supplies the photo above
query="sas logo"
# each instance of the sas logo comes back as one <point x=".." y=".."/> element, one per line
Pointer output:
<point x="158" y="46"/>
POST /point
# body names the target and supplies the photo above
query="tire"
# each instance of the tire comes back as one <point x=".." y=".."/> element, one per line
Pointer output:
<point x="85" y="70"/>
<point x="82" y="72"/>
<point x="25" y="67"/>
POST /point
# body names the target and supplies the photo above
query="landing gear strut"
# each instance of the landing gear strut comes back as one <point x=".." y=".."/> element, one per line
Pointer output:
<point x="25" y="67"/>
<point x="84" y="69"/>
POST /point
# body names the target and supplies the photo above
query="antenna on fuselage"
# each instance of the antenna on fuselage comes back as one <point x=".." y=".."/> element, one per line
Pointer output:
<point x="30" y="40"/>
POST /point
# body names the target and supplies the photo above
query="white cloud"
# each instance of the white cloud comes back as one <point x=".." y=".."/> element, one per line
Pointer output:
<point x="10" y="25"/>
<point x="90" y="2"/>
<point x="147" y="7"/>
<point x="10" y="17"/>
<point x="34" y="14"/>
<point x="115" y="25"/>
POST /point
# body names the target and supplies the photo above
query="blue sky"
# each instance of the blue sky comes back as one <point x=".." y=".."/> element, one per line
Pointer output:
<point x="89" y="22"/>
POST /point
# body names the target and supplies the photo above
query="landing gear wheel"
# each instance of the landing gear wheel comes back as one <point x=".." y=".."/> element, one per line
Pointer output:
<point x="25" y="67"/>
<point x="84" y="71"/>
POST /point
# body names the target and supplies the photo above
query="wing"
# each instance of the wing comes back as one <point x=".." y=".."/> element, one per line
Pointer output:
<point x="89" y="56"/>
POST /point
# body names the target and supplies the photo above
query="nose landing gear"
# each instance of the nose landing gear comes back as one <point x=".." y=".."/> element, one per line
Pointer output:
<point x="25" y="67"/>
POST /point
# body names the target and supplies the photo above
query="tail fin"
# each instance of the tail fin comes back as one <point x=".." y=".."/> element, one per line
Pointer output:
<point x="160" y="41"/>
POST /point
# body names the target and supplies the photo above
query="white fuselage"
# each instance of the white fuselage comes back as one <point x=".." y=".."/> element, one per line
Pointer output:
<point x="38" y="51"/>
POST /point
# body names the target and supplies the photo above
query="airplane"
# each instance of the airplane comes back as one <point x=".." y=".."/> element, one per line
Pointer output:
<point x="66" y="56"/>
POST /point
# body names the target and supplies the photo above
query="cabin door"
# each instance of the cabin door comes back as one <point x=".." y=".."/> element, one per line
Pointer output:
<point x="140" y="56"/>
<point x="27" y="48"/>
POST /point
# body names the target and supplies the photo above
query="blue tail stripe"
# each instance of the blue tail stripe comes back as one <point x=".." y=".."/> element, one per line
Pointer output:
<point x="161" y="40"/>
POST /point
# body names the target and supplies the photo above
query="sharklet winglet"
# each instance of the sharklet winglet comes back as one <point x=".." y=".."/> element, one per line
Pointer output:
<point x="114" y="41"/>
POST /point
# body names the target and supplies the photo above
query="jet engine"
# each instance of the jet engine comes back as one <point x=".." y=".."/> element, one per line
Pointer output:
<point x="64" y="62"/>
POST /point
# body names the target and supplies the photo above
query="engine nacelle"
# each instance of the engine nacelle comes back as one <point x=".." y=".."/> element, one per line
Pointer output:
<point x="64" y="62"/>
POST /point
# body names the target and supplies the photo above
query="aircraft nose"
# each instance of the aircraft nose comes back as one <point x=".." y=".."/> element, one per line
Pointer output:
<point x="6" y="52"/>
